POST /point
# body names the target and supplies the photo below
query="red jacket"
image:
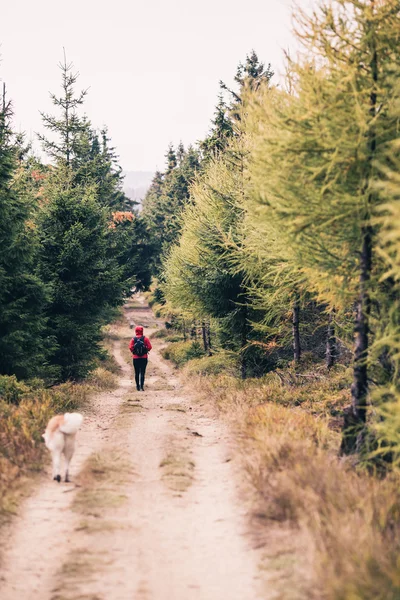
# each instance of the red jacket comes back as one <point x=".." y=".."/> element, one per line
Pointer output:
<point x="146" y="343"/>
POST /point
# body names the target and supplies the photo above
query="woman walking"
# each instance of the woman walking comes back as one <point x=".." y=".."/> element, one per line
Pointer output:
<point x="140" y="346"/>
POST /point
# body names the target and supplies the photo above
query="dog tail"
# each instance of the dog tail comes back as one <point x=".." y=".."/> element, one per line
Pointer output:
<point x="72" y="422"/>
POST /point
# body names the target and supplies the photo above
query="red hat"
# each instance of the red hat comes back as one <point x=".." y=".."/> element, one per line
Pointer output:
<point x="139" y="330"/>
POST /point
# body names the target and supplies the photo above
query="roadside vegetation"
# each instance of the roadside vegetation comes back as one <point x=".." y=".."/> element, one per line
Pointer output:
<point x="25" y="409"/>
<point x="281" y="278"/>
<point x="72" y="246"/>
<point x="273" y="249"/>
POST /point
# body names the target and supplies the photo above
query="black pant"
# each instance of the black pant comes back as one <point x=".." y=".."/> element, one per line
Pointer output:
<point x="139" y="364"/>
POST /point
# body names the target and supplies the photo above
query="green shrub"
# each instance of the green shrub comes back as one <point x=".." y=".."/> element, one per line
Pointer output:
<point x="108" y="362"/>
<point x="222" y="362"/>
<point x="12" y="390"/>
<point x="181" y="352"/>
<point x="174" y="337"/>
<point x="161" y="333"/>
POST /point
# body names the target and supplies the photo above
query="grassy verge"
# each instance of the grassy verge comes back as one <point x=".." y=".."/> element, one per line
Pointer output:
<point x="180" y="352"/>
<point x="25" y="410"/>
<point x="331" y="530"/>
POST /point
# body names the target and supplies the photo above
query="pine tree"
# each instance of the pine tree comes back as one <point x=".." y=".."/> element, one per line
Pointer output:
<point x="96" y="162"/>
<point x="171" y="159"/>
<point x="253" y="73"/>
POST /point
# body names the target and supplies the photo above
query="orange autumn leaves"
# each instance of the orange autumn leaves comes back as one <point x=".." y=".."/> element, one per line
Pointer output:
<point x="121" y="216"/>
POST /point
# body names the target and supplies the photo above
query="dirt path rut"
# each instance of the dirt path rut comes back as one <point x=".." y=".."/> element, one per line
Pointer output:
<point x="154" y="513"/>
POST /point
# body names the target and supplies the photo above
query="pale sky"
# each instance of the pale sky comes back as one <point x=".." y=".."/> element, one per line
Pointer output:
<point x="152" y="66"/>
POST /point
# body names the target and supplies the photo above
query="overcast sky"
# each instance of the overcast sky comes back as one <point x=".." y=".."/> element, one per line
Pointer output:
<point x="153" y="66"/>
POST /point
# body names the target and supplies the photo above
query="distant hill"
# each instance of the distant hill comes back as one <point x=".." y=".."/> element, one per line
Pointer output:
<point x="136" y="184"/>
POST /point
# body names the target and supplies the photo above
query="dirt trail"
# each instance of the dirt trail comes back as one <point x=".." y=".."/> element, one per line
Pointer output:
<point x="160" y="518"/>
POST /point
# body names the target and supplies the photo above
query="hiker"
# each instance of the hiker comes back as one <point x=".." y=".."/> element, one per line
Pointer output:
<point x="140" y="346"/>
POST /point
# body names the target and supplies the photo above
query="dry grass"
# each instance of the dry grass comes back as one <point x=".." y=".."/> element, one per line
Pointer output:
<point x="288" y="432"/>
<point x="25" y="411"/>
<point x="22" y="450"/>
<point x="102" y="379"/>
<point x="100" y="481"/>
<point x="79" y="566"/>
<point x="177" y="469"/>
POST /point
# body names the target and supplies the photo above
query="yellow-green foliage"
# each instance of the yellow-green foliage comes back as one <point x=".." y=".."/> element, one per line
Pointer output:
<point x="311" y="172"/>
<point x="351" y="521"/>
<point x="161" y="333"/>
<point x="220" y="362"/>
<point x="181" y="352"/>
<point x="201" y="267"/>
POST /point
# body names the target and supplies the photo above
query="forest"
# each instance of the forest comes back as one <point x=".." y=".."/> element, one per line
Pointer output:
<point x="271" y="248"/>
<point x="277" y="237"/>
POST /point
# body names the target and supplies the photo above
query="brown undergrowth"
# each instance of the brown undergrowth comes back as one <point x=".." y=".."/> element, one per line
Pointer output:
<point x="25" y="409"/>
<point x="334" y="528"/>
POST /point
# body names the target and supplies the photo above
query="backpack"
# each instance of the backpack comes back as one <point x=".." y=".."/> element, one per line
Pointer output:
<point x="139" y="347"/>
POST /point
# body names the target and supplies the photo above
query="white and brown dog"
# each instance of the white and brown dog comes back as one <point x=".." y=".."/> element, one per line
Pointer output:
<point x="59" y="438"/>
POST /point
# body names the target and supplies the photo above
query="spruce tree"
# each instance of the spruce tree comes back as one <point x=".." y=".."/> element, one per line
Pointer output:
<point x="77" y="262"/>
<point x="221" y="131"/>
<point x="67" y="127"/>
<point x="165" y="200"/>
<point x="23" y="296"/>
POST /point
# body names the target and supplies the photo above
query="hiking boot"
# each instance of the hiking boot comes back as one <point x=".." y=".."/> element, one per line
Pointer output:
<point x="142" y="389"/>
<point x="138" y="388"/>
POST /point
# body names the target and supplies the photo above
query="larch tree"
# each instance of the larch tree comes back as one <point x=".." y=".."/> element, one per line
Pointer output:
<point x="315" y="159"/>
<point x="201" y="273"/>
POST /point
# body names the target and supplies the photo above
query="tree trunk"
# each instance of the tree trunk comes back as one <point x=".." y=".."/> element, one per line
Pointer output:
<point x="296" y="331"/>
<point x="193" y="331"/>
<point x="359" y="388"/>
<point x="204" y="335"/>
<point x="356" y="415"/>
<point x="243" y="343"/>
<point x="331" y="346"/>
<point x="184" y="331"/>
<point x="209" y="339"/>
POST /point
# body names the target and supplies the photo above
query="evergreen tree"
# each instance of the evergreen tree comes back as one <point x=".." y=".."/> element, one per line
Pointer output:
<point x="249" y="76"/>
<point x="94" y="250"/>
<point x="86" y="280"/>
<point x="221" y="131"/>
<point x="68" y="127"/>
<point x="166" y="198"/>
<point x="314" y="161"/>
<point x="202" y="275"/>
<point x="23" y="296"/>
<point x="96" y="162"/>
<point x="171" y="159"/>
<point x="253" y="73"/>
